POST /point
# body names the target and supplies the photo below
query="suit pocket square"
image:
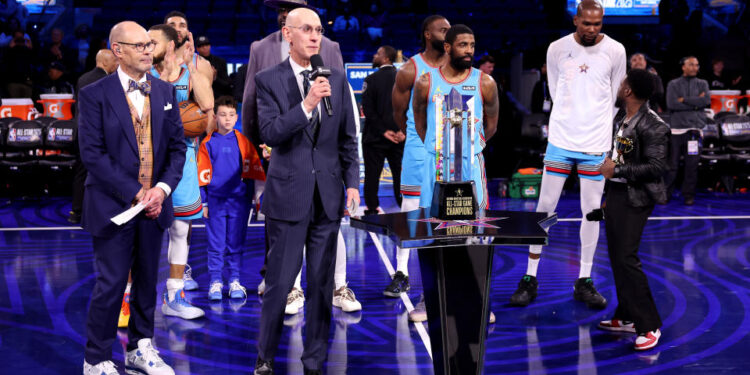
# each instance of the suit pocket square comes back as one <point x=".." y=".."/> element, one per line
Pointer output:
<point x="168" y="107"/>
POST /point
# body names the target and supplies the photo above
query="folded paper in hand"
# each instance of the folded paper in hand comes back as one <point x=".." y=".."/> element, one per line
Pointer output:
<point x="129" y="214"/>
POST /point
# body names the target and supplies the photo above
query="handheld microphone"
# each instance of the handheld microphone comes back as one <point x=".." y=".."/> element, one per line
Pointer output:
<point x="595" y="215"/>
<point x="318" y="70"/>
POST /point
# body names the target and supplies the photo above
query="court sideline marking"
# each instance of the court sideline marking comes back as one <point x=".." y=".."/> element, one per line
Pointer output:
<point x="404" y="296"/>
<point x="258" y="225"/>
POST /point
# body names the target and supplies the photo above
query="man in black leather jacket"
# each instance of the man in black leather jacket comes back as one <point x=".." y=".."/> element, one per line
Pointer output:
<point x="635" y="184"/>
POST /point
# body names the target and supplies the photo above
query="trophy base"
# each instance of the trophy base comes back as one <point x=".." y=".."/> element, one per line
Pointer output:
<point x="455" y="200"/>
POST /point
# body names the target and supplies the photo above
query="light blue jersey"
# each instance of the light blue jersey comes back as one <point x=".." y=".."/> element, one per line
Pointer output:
<point x="182" y="83"/>
<point x="186" y="198"/>
<point x="469" y="95"/>
<point x="414" y="152"/>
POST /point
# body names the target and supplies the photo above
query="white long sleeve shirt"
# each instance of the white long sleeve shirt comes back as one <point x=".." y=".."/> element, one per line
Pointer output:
<point x="583" y="84"/>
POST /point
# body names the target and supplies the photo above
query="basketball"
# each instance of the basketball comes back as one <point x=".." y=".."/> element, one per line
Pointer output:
<point x="194" y="121"/>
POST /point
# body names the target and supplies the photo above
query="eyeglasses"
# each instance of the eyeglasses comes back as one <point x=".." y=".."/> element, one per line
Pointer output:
<point x="140" y="47"/>
<point x="307" y="29"/>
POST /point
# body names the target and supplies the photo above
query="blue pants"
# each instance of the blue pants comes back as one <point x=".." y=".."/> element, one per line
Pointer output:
<point x="286" y="240"/>
<point x="135" y="246"/>
<point x="226" y="227"/>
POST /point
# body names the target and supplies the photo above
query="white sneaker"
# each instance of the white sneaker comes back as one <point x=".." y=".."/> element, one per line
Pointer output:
<point x="647" y="340"/>
<point x="145" y="360"/>
<point x="295" y="301"/>
<point x="101" y="368"/>
<point x="419" y="314"/>
<point x="187" y="278"/>
<point x="180" y="307"/>
<point x="344" y="298"/>
<point x="236" y="290"/>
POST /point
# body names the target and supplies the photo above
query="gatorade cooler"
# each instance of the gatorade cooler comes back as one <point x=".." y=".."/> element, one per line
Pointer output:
<point x="526" y="183"/>
<point x="21" y="108"/>
<point x="58" y="106"/>
<point x="725" y="100"/>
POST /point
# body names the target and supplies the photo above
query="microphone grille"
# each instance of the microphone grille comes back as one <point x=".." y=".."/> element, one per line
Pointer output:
<point x="316" y="61"/>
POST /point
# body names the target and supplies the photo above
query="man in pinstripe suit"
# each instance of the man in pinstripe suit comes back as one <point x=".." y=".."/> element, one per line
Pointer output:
<point x="315" y="160"/>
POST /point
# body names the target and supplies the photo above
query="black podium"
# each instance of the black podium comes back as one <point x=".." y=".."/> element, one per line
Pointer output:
<point x="455" y="258"/>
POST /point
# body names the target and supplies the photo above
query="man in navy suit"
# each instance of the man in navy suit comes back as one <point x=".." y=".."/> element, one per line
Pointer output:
<point x="314" y="161"/>
<point x="131" y="143"/>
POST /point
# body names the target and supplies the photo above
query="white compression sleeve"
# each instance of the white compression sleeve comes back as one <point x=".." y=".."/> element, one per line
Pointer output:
<point x="177" y="253"/>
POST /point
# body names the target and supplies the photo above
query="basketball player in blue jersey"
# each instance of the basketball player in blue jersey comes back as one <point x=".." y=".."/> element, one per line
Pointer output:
<point x="478" y="90"/>
<point x="479" y="94"/>
<point x="432" y="36"/>
<point x="186" y="197"/>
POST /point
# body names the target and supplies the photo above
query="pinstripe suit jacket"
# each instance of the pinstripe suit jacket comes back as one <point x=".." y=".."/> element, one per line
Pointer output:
<point x="298" y="163"/>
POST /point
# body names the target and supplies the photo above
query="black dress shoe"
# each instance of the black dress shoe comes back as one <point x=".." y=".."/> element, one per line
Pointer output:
<point x="74" y="217"/>
<point x="313" y="372"/>
<point x="263" y="367"/>
<point x="689" y="201"/>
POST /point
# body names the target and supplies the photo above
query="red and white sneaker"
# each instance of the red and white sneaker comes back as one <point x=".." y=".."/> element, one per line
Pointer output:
<point x="647" y="340"/>
<point x="617" y="325"/>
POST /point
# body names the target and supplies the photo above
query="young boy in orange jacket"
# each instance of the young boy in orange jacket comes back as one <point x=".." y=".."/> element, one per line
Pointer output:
<point x="227" y="164"/>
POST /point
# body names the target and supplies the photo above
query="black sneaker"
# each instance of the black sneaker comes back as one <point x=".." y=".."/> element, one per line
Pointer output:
<point x="399" y="284"/>
<point x="526" y="291"/>
<point x="585" y="292"/>
<point x="74" y="217"/>
<point x="263" y="367"/>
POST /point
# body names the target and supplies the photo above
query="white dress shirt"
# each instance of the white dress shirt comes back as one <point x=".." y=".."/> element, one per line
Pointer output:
<point x="137" y="99"/>
<point x="298" y="69"/>
<point x="135" y="96"/>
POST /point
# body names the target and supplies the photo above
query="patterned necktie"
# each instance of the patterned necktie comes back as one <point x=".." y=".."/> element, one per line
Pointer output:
<point x="315" y="120"/>
<point x="144" y="87"/>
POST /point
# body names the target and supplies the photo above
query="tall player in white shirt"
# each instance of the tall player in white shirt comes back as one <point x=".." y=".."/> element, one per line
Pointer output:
<point x="584" y="70"/>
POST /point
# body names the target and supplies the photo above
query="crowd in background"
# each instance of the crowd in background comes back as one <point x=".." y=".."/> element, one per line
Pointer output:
<point x="50" y="61"/>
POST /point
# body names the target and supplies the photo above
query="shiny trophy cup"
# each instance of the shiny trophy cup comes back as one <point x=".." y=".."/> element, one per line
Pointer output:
<point x="454" y="196"/>
<point x="624" y="146"/>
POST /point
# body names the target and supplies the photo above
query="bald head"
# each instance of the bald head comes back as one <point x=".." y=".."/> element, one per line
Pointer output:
<point x="302" y="16"/>
<point x="304" y="32"/>
<point x="132" y="47"/>
<point x="106" y="60"/>
<point x="123" y="30"/>
<point x="589" y="5"/>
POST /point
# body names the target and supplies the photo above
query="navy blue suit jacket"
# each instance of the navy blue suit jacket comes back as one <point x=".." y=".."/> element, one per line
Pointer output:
<point x="297" y="162"/>
<point x="110" y="153"/>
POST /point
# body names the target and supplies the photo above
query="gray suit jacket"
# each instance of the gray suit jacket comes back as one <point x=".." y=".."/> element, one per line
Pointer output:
<point x="266" y="53"/>
<point x="299" y="163"/>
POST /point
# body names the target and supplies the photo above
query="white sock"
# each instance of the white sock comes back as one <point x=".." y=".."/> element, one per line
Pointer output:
<point x="549" y="195"/>
<point x="298" y="280"/>
<point x="532" y="267"/>
<point x="173" y="285"/>
<point x="585" y="270"/>
<point x="339" y="273"/>
<point x="402" y="260"/>
<point x="402" y="255"/>
<point x="591" y="198"/>
<point x="127" y="287"/>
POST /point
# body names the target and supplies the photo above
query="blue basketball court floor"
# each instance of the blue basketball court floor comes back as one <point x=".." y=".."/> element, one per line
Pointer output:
<point x="697" y="259"/>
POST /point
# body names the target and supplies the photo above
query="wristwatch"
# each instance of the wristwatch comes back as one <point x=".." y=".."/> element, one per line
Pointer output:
<point x="617" y="171"/>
